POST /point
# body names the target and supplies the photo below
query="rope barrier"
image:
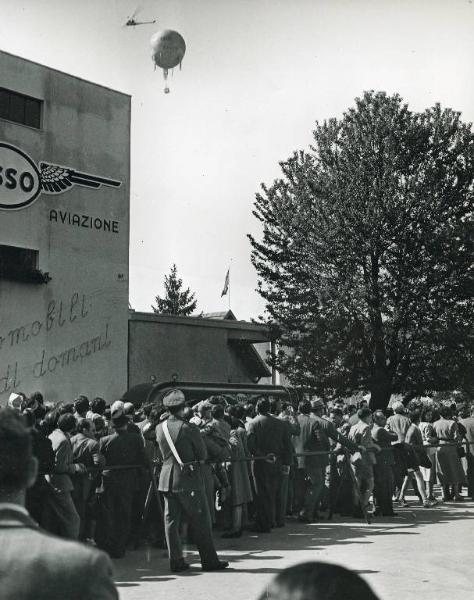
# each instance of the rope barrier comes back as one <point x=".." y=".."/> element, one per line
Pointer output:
<point x="270" y="458"/>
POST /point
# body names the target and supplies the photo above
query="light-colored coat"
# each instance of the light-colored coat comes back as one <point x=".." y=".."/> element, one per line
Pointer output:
<point x="63" y="462"/>
<point x="301" y="441"/>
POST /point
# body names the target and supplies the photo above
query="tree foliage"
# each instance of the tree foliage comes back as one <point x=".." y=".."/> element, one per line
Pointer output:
<point x="366" y="257"/>
<point x="176" y="300"/>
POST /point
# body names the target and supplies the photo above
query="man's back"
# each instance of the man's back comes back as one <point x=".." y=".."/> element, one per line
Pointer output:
<point x="469" y="426"/>
<point x="85" y="450"/>
<point x="384" y="439"/>
<point x="38" y="566"/>
<point x="399" y="424"/>
<point x="353" y="419"/>
<point x="360" y="434"/>
<point x="300" y="442"/>
<point x="269" y="435"/>
<point x="322" y="430"/>
<point x="122" y="448"/>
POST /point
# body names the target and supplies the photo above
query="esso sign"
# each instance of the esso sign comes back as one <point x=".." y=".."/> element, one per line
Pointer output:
<point x="20" y="181"/>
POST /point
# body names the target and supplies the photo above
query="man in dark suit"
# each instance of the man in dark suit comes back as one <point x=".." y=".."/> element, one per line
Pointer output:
<point x="33" y="564"/>
<point x="383" y="472"/>
<point x="268" y="435"/>
<point x="120" y="448"/>
<point x="318" y="432"/>
<point x="182" y="485"/>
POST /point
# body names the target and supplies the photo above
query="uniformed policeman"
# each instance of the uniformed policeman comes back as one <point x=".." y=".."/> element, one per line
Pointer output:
<point x="182" y="485"/>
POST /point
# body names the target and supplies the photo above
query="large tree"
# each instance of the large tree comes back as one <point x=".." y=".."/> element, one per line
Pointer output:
<point x="176" y="301"/>
<point x="366" y="255"/>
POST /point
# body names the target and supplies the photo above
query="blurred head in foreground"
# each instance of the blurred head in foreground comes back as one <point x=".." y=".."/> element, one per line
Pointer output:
<point x="18" y="467"/>
<point x="317" y="581"/>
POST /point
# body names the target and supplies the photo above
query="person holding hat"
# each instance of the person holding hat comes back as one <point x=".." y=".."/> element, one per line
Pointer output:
<point x="129" y="412"/>
<point x="217" y="451"/>
<point x="119" y="448"/>
<point x="181" y="483"/>
<point x="202" y="413"/>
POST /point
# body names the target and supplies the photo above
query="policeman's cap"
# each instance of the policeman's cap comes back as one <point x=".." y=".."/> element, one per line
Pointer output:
<point x="173" y="399"/>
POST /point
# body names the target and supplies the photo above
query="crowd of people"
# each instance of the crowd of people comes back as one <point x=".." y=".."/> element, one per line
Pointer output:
<point x="117" y="475"/>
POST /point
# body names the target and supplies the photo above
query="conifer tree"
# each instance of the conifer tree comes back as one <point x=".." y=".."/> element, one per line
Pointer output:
<point x="176" y="301"/>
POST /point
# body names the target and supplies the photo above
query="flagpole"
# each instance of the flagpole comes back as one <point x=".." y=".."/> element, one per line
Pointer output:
<point x="229" y="283"/>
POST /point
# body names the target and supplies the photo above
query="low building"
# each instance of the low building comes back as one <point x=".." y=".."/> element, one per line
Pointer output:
<point x="215" y="348"/>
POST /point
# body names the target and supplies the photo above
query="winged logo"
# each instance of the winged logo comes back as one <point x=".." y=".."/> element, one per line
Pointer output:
<point x="22" y="181"/>
<point x="56" y="179"/>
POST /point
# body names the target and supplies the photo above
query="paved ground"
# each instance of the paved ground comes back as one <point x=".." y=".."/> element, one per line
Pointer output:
<point x="420" y="554"/>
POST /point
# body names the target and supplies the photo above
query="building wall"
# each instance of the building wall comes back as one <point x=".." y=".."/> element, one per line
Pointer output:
<point x="68" y="336"/>
<point x="193" y="352"/>
<point x="265" y="349"/>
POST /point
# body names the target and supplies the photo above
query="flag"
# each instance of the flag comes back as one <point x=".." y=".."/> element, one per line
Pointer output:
<point x="226" y="283"/>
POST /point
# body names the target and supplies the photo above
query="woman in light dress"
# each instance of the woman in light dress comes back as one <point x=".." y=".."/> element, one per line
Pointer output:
<point x="430" y="438"/>
<point x="416" y="457"/>
<point x="448" y="464"/>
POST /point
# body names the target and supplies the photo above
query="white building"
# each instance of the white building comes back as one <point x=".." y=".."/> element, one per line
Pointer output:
<point x="64" y="234"/>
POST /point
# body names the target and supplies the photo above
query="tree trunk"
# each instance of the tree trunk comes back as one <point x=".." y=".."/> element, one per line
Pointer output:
<point x="381" y="384"/>
<point x="380" y="391"/>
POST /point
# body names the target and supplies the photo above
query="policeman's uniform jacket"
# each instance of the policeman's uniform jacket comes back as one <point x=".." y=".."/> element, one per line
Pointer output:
<point x="191" y="449"/>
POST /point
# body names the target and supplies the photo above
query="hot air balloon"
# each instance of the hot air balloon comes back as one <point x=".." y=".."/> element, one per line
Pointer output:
<point x="168" y="48"/>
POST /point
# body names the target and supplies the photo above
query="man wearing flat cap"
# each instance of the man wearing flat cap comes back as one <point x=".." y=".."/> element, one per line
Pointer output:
<point x="181" y="483"/>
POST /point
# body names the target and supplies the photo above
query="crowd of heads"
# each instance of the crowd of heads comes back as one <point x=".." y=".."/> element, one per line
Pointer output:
<point x="94" y="416"/>
<point x="80" y="415"/>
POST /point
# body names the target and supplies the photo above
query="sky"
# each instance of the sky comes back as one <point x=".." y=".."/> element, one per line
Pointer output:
<point x="256" y="76"/>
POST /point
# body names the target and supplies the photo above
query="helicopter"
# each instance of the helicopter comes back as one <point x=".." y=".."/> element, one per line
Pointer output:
<point x="132" y="22"/>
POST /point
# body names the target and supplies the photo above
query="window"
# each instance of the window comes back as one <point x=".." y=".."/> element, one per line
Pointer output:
<point x="21" y="264"/>
<point x="20" y="109"/>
